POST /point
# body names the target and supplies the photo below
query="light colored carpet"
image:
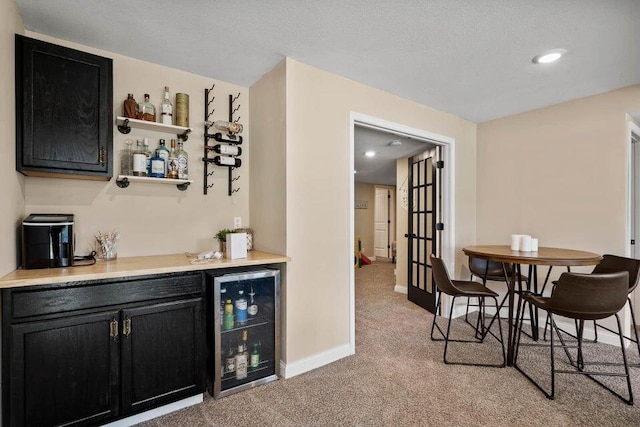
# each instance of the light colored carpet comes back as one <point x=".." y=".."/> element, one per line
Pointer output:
<point x="397" y="378"/>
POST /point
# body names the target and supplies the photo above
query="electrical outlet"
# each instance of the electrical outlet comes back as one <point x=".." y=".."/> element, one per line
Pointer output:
<point x="237" y="222"/>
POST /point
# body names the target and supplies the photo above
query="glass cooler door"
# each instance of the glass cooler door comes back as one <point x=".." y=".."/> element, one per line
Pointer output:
<point x="245" y="316"/>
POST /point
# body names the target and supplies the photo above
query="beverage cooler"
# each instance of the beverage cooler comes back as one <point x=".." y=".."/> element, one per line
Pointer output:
<point x="243" y="329"/>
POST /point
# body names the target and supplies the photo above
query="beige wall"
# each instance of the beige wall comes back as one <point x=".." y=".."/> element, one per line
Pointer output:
<point x="153" y="219"/>
<point x="318" y="200"/>
<point x="364" y="218"/>
<point x="12" y="206"/>
<point x="558" y="173"/>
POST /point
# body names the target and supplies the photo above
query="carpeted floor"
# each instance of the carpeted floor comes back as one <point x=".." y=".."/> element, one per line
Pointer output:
<point x="397" y="378"/>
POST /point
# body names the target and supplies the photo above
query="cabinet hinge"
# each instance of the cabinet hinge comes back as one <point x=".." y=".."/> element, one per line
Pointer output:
<point x="126" y="327"/>
<point x="113" y="328"/>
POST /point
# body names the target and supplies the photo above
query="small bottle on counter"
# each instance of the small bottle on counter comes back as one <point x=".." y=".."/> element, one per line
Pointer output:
<point x="130" y="107"/>
<point x="146" y="110"/>
<point x="166" y="108"/>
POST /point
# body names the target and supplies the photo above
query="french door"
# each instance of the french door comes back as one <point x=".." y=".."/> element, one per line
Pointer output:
<point x="424" y="229"/>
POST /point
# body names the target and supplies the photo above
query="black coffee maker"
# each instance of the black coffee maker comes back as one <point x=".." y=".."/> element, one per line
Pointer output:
<point x="47" y="241"/>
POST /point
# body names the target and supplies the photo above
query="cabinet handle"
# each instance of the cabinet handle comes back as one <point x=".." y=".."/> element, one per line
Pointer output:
<point x="113" y="328"/>
<point x="126" y="327"/>
<point x="103" y="156"/>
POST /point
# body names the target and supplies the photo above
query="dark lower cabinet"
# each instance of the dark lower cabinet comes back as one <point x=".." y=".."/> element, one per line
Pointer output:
<point x="161" y="354"/>
<point x="69" y="359"/>
<point x="64" y="370"/>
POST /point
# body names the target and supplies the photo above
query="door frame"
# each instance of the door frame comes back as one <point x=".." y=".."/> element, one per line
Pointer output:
<point x="448" y="190"/>
<point x="632" y="128"/>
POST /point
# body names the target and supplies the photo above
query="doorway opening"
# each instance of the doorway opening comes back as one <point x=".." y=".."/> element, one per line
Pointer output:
<point x="633" y="197"/>
<point x="426" y="140"/>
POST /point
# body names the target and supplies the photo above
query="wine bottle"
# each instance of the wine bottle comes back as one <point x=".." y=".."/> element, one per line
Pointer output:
<point x="230" y="127"/>
<point x="227" y="161"/>
<point x="166" y="108"/>
<point x="241" y="363"/>
<point x="231" y="150"/>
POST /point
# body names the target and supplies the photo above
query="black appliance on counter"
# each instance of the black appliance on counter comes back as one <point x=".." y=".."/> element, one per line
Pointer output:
<point x="47" y="241"/>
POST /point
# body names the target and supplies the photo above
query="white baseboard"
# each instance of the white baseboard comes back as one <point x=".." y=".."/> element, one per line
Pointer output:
<point x="315" y="361"/>
<point x="401" y="289"/>
<point x="157" y="412"/>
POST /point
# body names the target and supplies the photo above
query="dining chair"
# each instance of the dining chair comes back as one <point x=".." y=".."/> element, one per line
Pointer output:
<point x="462" y="288"/>
<point x="489" y="270"/>
<point x="580" y="297"/>
<point x="611" y="264"/>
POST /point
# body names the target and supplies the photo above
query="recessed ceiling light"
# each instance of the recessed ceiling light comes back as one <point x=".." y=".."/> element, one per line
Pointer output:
<point x="549" y="56"/>
<point x="395" y="142"/>
<point x="370" y="153"/>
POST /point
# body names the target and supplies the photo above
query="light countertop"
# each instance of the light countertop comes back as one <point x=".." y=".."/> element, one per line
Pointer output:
<point x="131" y="266"/>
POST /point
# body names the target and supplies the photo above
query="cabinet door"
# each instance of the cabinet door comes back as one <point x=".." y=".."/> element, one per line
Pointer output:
<point x="64" y="108"/>
<point x="64" y="371"/>
<point x="162" y="349"/>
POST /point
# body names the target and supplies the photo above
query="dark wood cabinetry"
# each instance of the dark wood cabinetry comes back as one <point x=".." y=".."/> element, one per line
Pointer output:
<point x="89" y="352"/>
<point x="64" y="111"/>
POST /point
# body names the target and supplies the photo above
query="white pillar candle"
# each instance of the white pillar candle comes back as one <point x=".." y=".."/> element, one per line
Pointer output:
<point x="534" y="245"/>
<point x="515" y="242"/>
<point x="525" y="243"/>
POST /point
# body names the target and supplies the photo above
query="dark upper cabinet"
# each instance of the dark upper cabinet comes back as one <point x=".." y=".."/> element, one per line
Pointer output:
<point x="64" y="111"/>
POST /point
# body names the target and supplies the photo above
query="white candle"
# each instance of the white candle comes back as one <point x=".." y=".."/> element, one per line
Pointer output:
<point x="515" y="242"/>
<point x="525" y="243"/>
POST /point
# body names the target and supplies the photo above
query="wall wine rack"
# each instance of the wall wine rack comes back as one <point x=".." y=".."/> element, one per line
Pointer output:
<point x="231" y="159"/>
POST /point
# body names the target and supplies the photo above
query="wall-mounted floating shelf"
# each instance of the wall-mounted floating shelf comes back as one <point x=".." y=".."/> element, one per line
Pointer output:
<point x="125" y="124"/>
<point x="123" y="181"/>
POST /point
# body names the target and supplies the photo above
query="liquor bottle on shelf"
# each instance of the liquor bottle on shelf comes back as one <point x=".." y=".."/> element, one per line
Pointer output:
<point x="228" y="316"/>
<point x="146" y="110"/>
<point x="139" y="161"/>
<point x="148" y="154"/>
<point x="241" y="308"/>
<point x="227" y="161"/>
<point x="126" y="158"/>
<point x="183" y="161"/>
<point x="163" y="152"/>
<point x="230" y="127"/>
<point x="231" y="150"/>
<point x="245" y="343"/>
<point x="130" y="107"/>
<point x="166" y="108"/>
<point x="255" y="356"/>
<point x="172" y="162"/>
<point x="157" y="166"/>
<point x="252" y="309"/>
<point x="241" y="363"/>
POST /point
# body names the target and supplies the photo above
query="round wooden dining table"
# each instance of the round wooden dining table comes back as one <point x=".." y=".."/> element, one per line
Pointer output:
<point x="544" y="256"/>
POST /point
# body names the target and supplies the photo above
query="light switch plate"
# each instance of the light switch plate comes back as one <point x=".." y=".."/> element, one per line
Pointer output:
<point x="237" y="222"/>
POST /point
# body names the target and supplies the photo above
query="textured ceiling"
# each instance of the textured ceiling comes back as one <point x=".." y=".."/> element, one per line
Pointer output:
<point x="469" y="58"/>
